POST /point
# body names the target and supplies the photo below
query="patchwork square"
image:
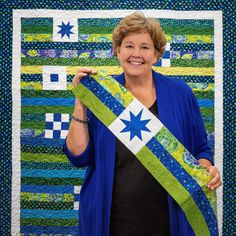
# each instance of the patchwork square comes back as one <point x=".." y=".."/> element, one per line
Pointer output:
<point x="57" y="126"/>
<point x="54" y="78"/>
<point x="135" y="126"/>
<point x="65" y="29"/>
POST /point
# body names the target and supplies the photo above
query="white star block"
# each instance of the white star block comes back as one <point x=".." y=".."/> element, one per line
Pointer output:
<point x="65" y="29"/>
<point x="54" y="78"/>
<point x="135" y="144"/>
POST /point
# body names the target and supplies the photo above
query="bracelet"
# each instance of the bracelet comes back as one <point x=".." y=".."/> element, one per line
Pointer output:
<point x="79" y="120"/>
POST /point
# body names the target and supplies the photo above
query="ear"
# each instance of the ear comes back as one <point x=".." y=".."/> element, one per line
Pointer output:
<point x="118" y="52"/>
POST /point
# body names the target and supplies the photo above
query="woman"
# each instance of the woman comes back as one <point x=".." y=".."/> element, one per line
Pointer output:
<point x="119" y="196"/>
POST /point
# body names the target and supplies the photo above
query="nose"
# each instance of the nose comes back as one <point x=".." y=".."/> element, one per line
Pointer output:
<point x="136" y="52"/>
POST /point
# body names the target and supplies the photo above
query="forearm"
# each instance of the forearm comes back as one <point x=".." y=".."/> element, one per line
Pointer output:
<point x="78" y="135"/>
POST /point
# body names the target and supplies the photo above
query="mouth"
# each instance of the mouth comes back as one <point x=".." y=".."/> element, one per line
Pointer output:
<point x="136" y="62"/>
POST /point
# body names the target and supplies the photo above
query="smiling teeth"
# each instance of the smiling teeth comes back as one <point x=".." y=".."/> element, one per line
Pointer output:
<point x="136" y="63"/>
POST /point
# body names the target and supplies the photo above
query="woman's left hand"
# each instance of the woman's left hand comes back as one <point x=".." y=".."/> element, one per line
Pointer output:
<point x="215" y="182"/>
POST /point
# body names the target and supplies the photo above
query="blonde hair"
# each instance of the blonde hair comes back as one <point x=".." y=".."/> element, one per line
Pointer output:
<point x="137" y="22"/>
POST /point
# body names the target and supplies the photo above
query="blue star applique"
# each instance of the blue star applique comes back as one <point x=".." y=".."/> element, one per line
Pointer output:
<point x="135" y="125"/>
<point x="65" y="29"/>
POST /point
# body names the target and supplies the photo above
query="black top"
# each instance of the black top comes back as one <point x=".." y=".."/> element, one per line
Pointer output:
<point x="139" y="202"/>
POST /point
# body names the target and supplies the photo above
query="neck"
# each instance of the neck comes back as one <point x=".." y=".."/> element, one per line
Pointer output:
<point x="142" y="88"/>
<point x="133" y="83"/>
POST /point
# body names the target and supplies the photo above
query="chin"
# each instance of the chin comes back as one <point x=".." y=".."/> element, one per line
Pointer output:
<point x="136" y="72"/>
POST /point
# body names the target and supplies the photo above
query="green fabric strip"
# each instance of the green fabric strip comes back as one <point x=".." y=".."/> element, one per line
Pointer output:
<point x="167" y="29"/>
<point x="46" y="197"/>
<point x="209" y="127"/>
<point x="47" y="93"/>
<point x="48" y="222"/>
<point x="175" y="189"/>
<point x="90" y="100"/>
<point x="30" y="165"/>
<point x="37" y="29"/>
<point x="177" y="150"/>
<point x="48" y="109"/>
<point x="192" y="63"/>
<point x="207" y="111"/>
<point x="39" y="205"/>
<point x="41" y="157"/>
<point x="41" y="149"/>
<point x="52" y="181"/>
<point x="203" y="94"/>
<point x="33" y="117"/>
<point x="32" y="125"/>
<point x="26" y="61"/>
<point x="95" y="30"/>
<point x="189" y="30"/>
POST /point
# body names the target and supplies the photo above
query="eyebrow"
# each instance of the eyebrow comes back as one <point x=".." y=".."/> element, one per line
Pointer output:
<point x="146" y="44"/>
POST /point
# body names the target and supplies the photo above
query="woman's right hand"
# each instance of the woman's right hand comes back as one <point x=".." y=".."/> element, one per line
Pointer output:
<point x="82" y="72"/>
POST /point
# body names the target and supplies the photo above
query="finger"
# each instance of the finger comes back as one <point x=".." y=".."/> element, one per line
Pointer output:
<point x="77" y="78"/>
<point x="215" y="182"/>
<point x="212" y="170"/>
<point x="214" y="187"/>
<point x="79" y="75"/>
<point x="88" y="70"/>
<point x="215" y="179"/>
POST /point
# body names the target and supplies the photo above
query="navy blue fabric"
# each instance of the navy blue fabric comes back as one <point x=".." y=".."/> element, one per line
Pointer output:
<point x="179" y="112"/>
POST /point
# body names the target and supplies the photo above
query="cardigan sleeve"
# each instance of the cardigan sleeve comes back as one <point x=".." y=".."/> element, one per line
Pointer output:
<point x="86" y="157"/>
<point x="201" y="148"/>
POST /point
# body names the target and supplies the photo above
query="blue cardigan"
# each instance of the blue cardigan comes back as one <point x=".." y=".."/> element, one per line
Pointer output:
<point x="179" y="112"/>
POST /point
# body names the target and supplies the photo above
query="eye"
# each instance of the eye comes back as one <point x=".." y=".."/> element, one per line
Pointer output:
<point x="145" y="47"/>
<point x="129" y="46"/>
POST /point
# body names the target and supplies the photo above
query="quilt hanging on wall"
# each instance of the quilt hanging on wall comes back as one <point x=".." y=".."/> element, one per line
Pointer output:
<point x="48" y="46"/>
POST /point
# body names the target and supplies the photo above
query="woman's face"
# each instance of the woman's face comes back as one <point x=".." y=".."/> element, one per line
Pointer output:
<point x="137" y="55"/>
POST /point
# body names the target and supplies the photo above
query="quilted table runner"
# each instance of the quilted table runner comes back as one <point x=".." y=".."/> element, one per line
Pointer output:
<point x="155" y="147"/>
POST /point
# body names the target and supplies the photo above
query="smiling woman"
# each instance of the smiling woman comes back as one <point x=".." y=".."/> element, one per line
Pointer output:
<point x="137" y="55"/>
<point x="139" y="43"/>
<point x="112" y="200"/>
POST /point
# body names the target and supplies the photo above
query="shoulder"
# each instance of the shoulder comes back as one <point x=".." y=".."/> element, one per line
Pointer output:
<point x="171" y="85"/>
